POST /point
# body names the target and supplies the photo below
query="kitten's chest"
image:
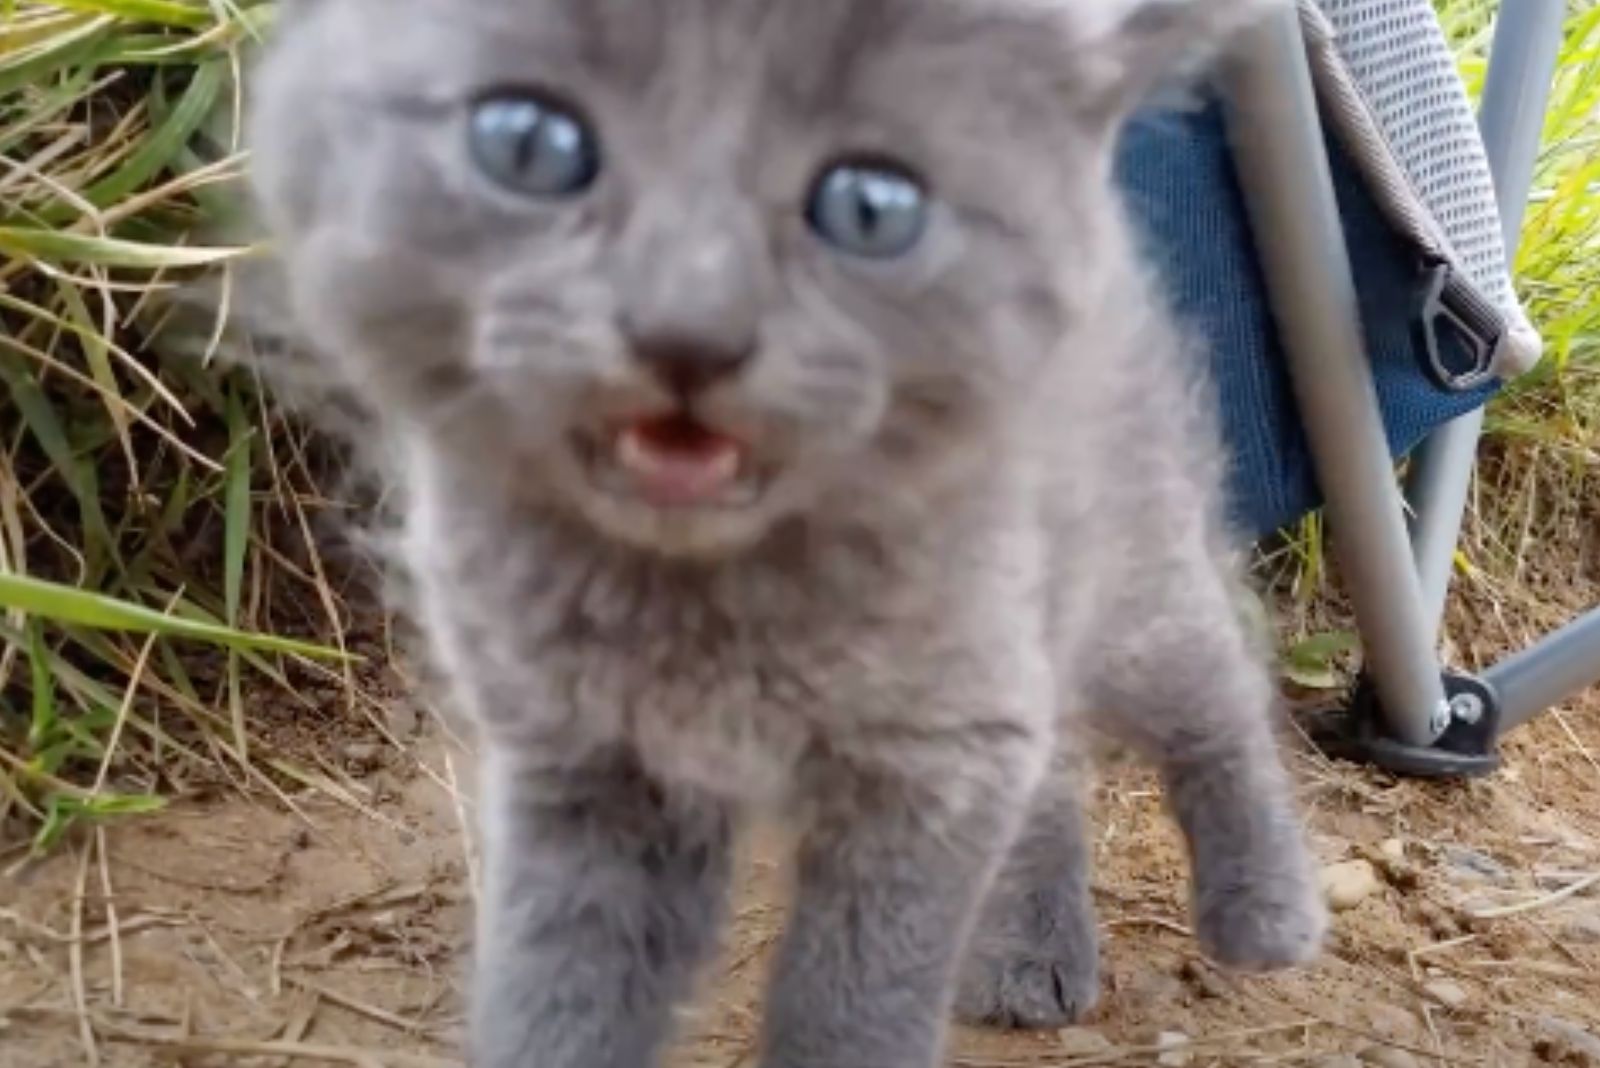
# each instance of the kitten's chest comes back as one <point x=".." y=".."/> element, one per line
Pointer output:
<point x="727" y="691"/>
<point x="735" y="677"/>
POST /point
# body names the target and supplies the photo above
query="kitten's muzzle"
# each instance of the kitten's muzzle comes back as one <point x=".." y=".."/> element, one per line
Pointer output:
<point x="680" y="457"/>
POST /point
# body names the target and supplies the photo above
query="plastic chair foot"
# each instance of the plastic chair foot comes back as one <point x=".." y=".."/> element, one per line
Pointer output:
<point x="1465" y="749"/>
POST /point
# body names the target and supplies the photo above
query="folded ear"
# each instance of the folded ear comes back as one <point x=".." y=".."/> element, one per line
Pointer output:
<point x="1123" y="49"/>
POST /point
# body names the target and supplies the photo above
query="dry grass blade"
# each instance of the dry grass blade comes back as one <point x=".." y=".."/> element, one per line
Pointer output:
<point x="1217" y="1044"/>
<point x="293" y="1051"/>
<point x="1572" y="889"/>
<point x="80" y="997"/>
<point x="361" y="1008"/>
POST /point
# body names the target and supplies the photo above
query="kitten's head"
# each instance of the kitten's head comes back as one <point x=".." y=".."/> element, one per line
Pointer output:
<point x="687" y="268"/>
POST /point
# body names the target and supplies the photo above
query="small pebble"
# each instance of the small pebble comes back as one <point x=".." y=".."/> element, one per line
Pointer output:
<point x="1564" y="1042"/>
<point x="1348" y="884"/>
<point x="1447" y="993"/>
<point x="1391" y="1021"/>
<point x="1387" y="1057"/>
<point x="362" y="755"/>
<point x="1083" y="1042"/>
<point x="1393" y="849"/>
<point x="1335" y="1060"/>
<point x="1437" y="919"/>
<point x="1205" y="982"/>
<point x="1176" y="1047"/>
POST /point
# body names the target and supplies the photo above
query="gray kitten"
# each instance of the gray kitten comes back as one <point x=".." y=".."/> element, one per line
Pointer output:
<point x="783" y="418"/>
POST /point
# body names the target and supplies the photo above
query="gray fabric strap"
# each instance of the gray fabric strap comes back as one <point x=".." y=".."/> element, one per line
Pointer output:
<point x="1389" y="90"/>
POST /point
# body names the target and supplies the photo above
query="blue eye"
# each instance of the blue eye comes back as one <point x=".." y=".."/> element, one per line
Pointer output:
<point x="868" y="210"/>
<point x="533" y="146"/>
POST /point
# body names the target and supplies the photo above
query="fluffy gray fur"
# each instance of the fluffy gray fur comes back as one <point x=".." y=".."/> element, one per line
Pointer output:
<point x="989" y="527"/>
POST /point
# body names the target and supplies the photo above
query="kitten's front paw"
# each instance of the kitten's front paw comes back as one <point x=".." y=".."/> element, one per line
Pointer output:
<point x="1034" y="957"/>
<point x="1272" y="922"/>
<point x="1034" y="962"/>
<point x="1028" y="990"/>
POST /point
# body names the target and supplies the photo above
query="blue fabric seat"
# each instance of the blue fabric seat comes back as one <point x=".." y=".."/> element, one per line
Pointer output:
<point x="1178" y="177"/>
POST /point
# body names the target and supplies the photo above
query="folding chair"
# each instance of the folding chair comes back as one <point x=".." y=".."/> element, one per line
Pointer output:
<point x="1337" y="227"/>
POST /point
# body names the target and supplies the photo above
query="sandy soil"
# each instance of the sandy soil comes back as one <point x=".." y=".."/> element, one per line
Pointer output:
<point x="233" y="931"/>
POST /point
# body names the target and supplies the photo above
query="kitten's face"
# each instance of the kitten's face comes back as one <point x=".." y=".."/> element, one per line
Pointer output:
<point x="690" y="267"/>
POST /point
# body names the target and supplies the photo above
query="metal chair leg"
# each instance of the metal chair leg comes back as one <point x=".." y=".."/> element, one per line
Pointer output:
<point x="1288" y="190"/>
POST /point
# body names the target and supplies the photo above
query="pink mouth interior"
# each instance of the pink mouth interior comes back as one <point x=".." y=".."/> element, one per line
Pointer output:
<point x="675" y="459"/>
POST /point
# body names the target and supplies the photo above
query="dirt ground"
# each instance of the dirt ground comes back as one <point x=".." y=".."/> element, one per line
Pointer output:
<point x="234" y="931"/>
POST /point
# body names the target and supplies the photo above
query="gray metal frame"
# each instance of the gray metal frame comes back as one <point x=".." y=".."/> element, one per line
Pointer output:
<point x="1397" y="579"/>
<point x="1288" y="190"/>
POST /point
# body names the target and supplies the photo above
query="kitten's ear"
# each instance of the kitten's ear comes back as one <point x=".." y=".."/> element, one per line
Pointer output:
<point x="1125" y="48"/>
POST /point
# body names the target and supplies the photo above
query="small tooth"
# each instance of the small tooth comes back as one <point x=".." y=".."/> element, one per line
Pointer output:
<point x="632" y="453"/>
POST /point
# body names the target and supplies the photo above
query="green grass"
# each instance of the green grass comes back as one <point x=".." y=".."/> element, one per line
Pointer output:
<point x="157" y="571"/>
<point x="1539" y="473"/>
<point x="144" y="494"/>
<point x="1558" y="262"/>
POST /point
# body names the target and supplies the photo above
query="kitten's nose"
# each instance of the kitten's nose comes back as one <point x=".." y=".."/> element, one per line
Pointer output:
<point x="691" y="286"/>
<point x="687" y="362"/>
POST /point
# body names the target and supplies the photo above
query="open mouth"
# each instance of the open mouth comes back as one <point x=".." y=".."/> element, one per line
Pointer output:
<point x="675" y="461"/>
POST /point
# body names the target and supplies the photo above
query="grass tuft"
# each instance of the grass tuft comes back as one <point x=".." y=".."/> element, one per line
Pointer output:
<point x="143" y="491"/>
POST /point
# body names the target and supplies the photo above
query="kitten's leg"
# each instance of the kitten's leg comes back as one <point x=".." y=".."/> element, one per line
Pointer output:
<point x="1182" y="684"/>
<point x="601" y="896"/>
<point x="1034" y="957"/>
<point x="889" y="879"/>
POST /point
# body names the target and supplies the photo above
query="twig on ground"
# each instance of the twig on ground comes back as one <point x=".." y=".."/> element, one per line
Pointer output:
<point x="359" y="1007"/>
<point x="245" y="985"/>
<point x="89" y="938"/>
<point x="113" y="929"/>
<point x="354" y="1056"/>
<point x="1368" y="1035"/>
<point x="1572" y="737"/>
<point x="1157" y="922"/>
<point x="1573" y="888"/>
<point x="1433" y="1028"/>
<point x="1559" y="945"/>
<point x="275" y="968"/>
<point x="469" y="852"/>
<point x="298" y="1025"/>
<point x="1124" y="1053"/>
<point x="1531" y="967"/>
<point x="1414" y="955"/>
<point x="80" y="999"/>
